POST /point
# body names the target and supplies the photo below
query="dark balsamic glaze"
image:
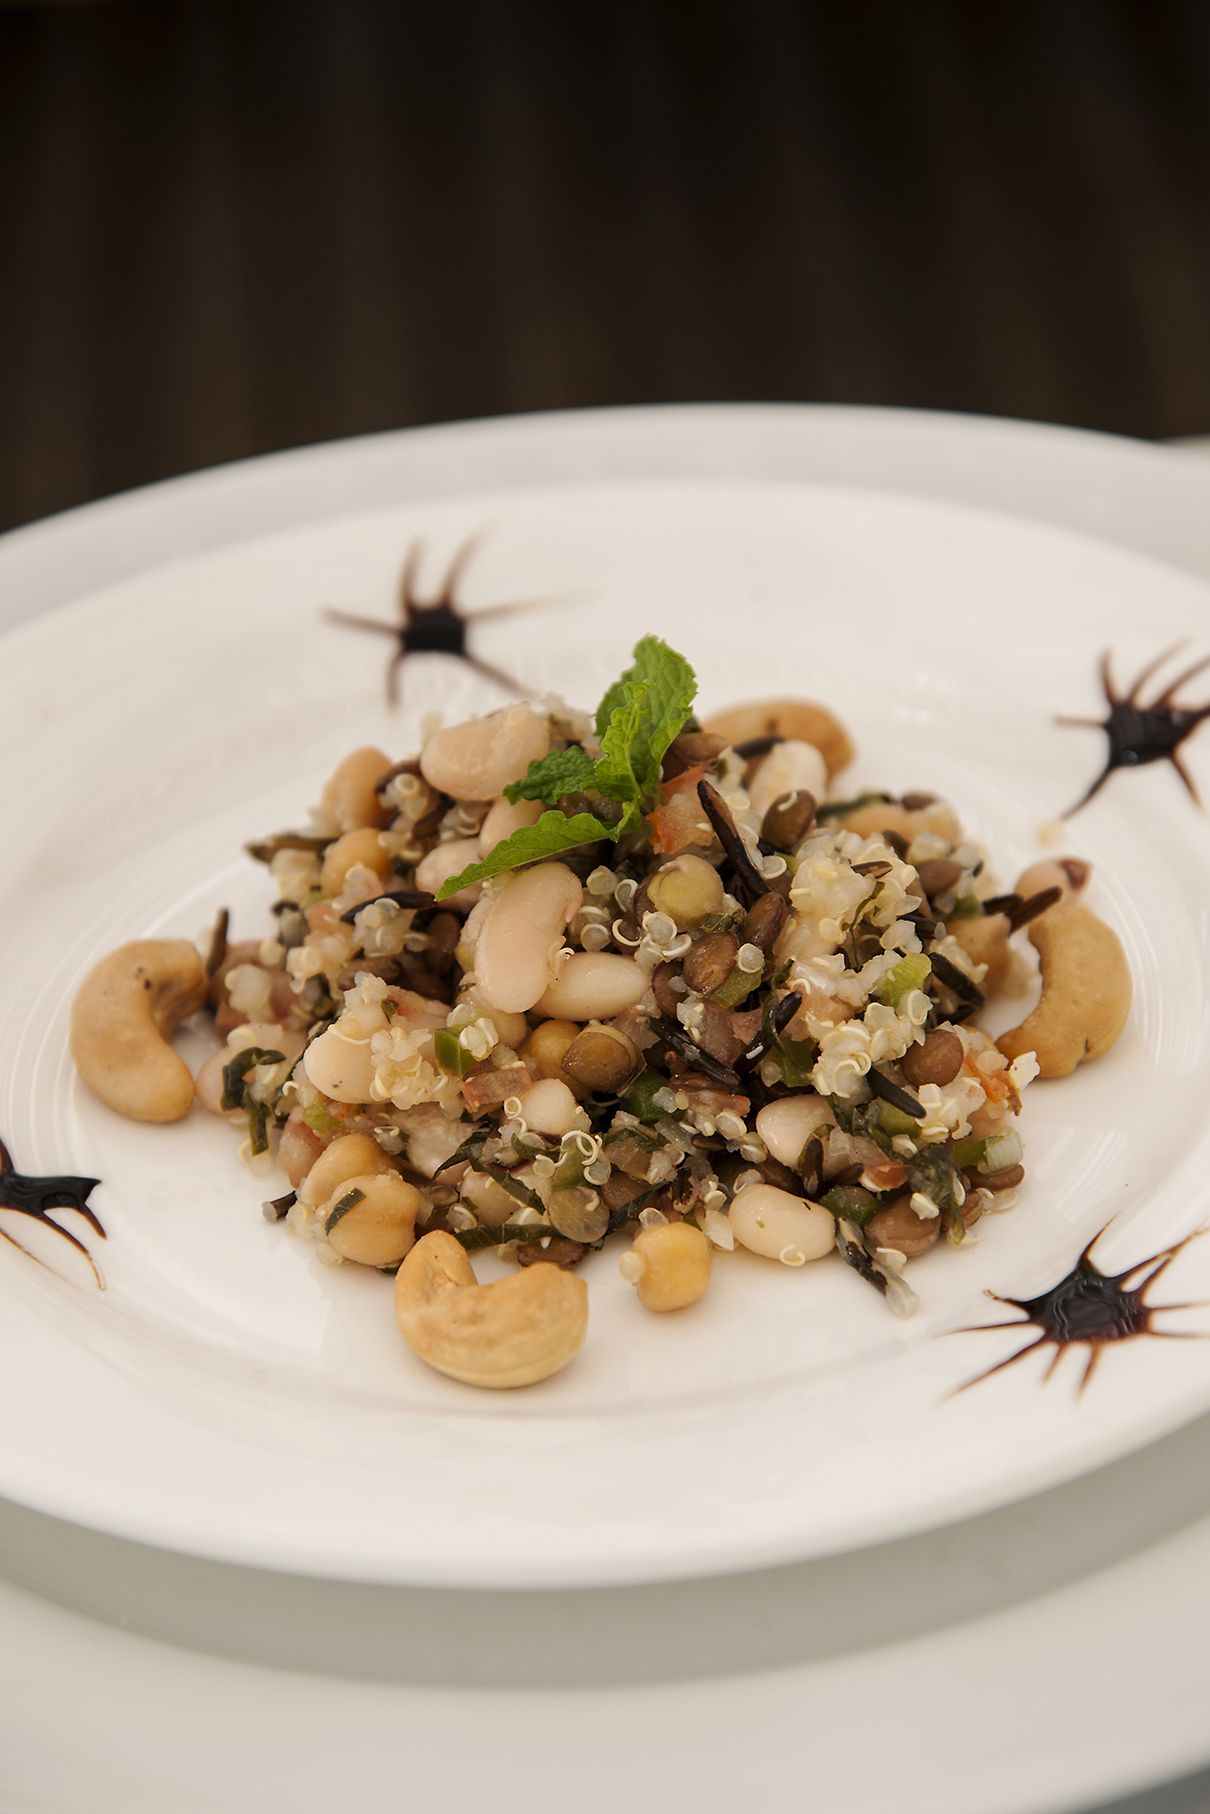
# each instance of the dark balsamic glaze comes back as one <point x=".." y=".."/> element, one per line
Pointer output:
<point x="436" y="626"/>
<point x="1089" y="1308"/>
<point x="1139" y="733"/>
<point x="36" y="1197"/>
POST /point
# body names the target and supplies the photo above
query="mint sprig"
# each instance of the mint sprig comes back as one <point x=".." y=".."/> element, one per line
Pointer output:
<point x="636" y="721"/>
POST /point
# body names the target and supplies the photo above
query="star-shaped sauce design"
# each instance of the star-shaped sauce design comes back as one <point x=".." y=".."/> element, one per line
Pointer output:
<point x="1140" y="732"/>
<point x="36" y="1197"/>
<point x="437" y="625"/>
<point x="1090" y="1309"/>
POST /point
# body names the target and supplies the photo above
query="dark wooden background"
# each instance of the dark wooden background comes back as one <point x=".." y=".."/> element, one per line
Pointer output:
<point x="228" y="226"/>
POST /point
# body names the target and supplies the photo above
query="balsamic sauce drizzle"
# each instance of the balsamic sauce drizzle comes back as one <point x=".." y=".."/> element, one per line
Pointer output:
<point x="1089" y="1309"/>
<point x="36" y="1197"/>
<point x="1139" y="733"/>
<point x="437" y="626"/>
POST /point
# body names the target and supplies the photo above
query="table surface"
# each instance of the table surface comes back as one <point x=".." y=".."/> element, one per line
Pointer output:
<point x="89" y="1604"/>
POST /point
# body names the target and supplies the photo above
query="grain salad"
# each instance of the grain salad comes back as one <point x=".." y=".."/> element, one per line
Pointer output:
<point x="566" y="981"/>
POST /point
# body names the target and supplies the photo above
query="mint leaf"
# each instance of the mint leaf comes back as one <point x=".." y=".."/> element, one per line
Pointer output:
<point x="615" y="772"/>
<point x="670" y="685"/>
<point x="553" y="833"/>
<point x="567" y="771"/>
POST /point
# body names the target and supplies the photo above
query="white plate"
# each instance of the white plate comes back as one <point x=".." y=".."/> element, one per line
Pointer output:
<point x="771" y="1687"/>
<point x="228" y="1397"/>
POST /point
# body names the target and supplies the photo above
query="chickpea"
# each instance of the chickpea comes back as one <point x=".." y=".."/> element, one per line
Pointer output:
<point x="349" y="800"/>
<point x="348" y="1156"/>
<point x="687" y="889"/>
<point x="669" y="1265"/>
<point x="379" y="1227"/>
<point x="543" y="1051"/>
<point x="356" y="849"/>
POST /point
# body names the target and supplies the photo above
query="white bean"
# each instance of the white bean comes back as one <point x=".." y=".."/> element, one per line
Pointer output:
<point x="594" y="985"/>
<point x="523" y="934"/>
<point x="550" y="1108"/>
<point x="492" y="1204"/>
<point x="478" y="759"/>
<point x="504" y="818"/>
<point x="789" y="767"/>
<point x="340" y="1066"/>
<point x="786" y="1125"/>
<point x="781" y="1226"/>
<point x="444" y="861"/>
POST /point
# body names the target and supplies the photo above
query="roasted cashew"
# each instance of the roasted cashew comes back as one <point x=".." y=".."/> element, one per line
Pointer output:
<point x="1069" y="874"/>
<point x="800" y="719"/>
<point x="907" y="821"/>
<point x="1086" y="991"/>
<point x="124" y="1012"/>
<point x="985" y="939"/>
<point x="512" y="1333"/>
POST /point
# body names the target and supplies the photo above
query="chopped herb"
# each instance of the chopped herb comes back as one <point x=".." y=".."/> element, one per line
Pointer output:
<point x="235" y="1074"/>
<point x="452" y="1055"/>
<point x="852" y="1201"/>
<point x="640" y="1100"/>
<point x="349" y="1201"/>
<point x="471" y="1238"/>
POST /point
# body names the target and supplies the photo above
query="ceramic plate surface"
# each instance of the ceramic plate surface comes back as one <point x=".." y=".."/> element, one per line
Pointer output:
<point x="227" y="1395"/>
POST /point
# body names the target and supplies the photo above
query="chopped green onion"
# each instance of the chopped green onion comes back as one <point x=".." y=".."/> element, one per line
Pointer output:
<point x="640" y="1097"/>
<point x="911" y="972"/>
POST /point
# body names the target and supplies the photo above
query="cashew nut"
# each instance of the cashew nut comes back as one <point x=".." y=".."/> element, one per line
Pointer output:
<point x="522" y="936"/>
<point x="1070" y="874"/>
<point x="349" y="800"/>
<point x="984" y="937"/>
<point x="780" y="1226"/>
<point x="908" y="821"/>
<point x="594" y="985"/>
<point x="124" y="1013"/>
<point x="1086" y="991"/>
<point x="669" y="1266"/>
<point x="800" y="719"/>
<point x="477" y="760"/>
<point x="790" y="768"/>
<point x="511" y="1333"/>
